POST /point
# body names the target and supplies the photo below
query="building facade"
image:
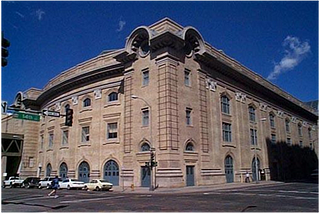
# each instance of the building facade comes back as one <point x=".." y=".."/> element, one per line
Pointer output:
<point x="207" y="117"/>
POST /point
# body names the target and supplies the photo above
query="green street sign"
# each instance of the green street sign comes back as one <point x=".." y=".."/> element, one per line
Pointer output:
<point x="25" y="116"/>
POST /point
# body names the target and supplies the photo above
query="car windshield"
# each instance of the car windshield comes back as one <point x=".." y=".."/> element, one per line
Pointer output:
<point x="74" y="180"/>
<point x="104" y="181"/>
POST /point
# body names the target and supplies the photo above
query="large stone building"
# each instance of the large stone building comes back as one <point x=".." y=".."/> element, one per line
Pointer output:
<point x="209" y="118"/>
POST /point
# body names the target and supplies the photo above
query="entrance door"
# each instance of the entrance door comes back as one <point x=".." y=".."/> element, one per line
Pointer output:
<point x="111" y="172"/>
<point x="84" y="172"/>
<point x="190" y="175"/>
<point x="254" y="171"/>
<point x="145" y="176"/>
<point x="229" y="169"/>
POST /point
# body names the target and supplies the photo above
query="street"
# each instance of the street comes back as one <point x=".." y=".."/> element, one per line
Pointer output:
<point x="277" y="197"/>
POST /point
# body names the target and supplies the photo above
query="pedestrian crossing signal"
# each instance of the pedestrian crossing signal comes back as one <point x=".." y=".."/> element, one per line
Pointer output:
<point x="69" y="117"/>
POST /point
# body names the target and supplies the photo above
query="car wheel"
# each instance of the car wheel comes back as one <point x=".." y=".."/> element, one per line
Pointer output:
<point x="68" y="187"/>
<point x="28" y="186"/>
<point x="40" y="187"/>
<point x="85" y="188"/>
<point x="48" y="186"/>
<point x="97" y="188"/>
<point x="22" y="185"/>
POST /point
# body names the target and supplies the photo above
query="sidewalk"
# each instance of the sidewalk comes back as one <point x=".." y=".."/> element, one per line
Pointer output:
<point x="163" y="190"/>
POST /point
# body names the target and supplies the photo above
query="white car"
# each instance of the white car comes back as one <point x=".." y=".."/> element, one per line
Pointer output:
<point x="46" y="182"/>
<point x="71" y="183"/>
<point x="98" y="184"/>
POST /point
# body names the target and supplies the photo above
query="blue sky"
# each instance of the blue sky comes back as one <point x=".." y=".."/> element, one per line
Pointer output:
<point x="278" y="40"/>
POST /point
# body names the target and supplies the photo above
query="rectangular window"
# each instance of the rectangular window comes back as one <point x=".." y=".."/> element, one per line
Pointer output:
<point x="187" y="81"/>
<point x="65" y="135"/>
<point x="273" y="139"/>
<point x="51" y="140"/>
<point x="225" y="105"/>
<point x="41" y="141"/>
<point x="287" y="126"/>
<point x="272" y="124"/>
<point x="252" y="114"/>
<point x="31" y="162"/>
<point x="145" y="78"/>
<point x="301" y="144"/>
<point x="300" y="130"/>
<point x="253" y="136"/>
<point x="289" y="142"/>
<point x="112" y="130"/>
<point x="145" y="117"/>
<point x="188" y="116"/>
<point x="226" y="132"/>
<point x="85" y="134"/>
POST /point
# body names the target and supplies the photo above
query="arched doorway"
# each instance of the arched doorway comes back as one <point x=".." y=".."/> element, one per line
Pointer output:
<point x="84" y="172"/>
<point x="48" y="170"/>
<point x="228" y="166"/>
<point x="63" y="170"/>
<point x="254" y="171"/>
<point x="111" y="172"/>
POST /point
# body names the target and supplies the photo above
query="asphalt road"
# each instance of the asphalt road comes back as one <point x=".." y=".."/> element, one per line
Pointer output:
<point x="283" y="197"/>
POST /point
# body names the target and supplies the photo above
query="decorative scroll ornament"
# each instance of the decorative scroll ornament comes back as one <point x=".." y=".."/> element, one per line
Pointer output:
<point x="314" y="127"/>
<point x="304" y="123"/>
<point x="211" y="85"/>
<point x="97" y="94"/>
<point x="75" y="100"/>
<point x="263" y="106"/>
<point x="58" y="106"/>
<point x="241" y="97"/>
<point x="293" y="119"/>
<point x="280" y="113"/>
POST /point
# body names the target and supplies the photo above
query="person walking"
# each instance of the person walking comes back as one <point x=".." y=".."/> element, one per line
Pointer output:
<point x="55" y="186"/>
<point x="247" y="177"/>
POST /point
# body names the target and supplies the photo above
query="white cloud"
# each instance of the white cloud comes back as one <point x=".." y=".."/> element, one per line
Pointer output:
<point x="295" y="52"/>
<point x="21" y="15"/>
<point x="39" y="14"/>
<point x="121" y="25"/>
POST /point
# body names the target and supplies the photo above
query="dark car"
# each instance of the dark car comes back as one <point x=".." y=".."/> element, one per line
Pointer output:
<point x="30" y="182"/>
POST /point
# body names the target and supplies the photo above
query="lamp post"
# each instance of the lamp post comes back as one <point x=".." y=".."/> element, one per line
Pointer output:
<point x="151" y="142"/>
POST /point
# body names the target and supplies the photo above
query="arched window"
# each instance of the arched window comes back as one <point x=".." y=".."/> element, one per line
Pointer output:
<point x="113" y="97"/>
<point x="145" y="147"/>
<point x="87" y="102"/>
<point x="225" y="104"/>
<point x="252" y="113"/>
<point x="63" y="170"/>
<point x="48" y="170"/>
<point x="310" y="133"/>
<point x="189" y="147"/>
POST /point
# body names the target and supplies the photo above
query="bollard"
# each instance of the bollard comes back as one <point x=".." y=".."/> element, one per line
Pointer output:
<point x="132" y="187"/>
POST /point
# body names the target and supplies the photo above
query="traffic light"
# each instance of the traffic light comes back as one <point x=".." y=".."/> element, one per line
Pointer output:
<point x="69" y="117"/>
<point x="152" y="157"/>
<point x="4" y="52"/>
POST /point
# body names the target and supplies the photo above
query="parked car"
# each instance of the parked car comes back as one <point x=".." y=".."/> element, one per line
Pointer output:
<point x="13" y="182"/>
<point x="98" y="184"/>
<point x="71" y="183"/>
<point x="30" y="182"/>
<point x="46" y="182"/>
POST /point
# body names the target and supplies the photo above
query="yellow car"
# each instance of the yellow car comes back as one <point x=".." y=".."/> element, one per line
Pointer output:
<point x="98" y="184"/>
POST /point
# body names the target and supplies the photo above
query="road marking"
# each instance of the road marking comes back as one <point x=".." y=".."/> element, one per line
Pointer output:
<point x="89" y="199"/>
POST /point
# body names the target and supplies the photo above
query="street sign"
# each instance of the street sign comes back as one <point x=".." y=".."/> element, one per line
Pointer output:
<point x="25" y="116"/>
<point x="51" y="113"/>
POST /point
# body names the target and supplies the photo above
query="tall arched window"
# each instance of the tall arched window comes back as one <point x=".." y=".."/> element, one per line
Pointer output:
<point x="87" y="102"/>
<point x="228" y="166"/>
<point x="252" y="113"/>
<point x="48" y="170"/>
<point x="287" y="122"/>
<point x="63" y="170"/>
<point x="272" y="122"/>
<point x="225" y="104"/>
<point x="300" y="130"/>
<point x="113" y="97"/>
